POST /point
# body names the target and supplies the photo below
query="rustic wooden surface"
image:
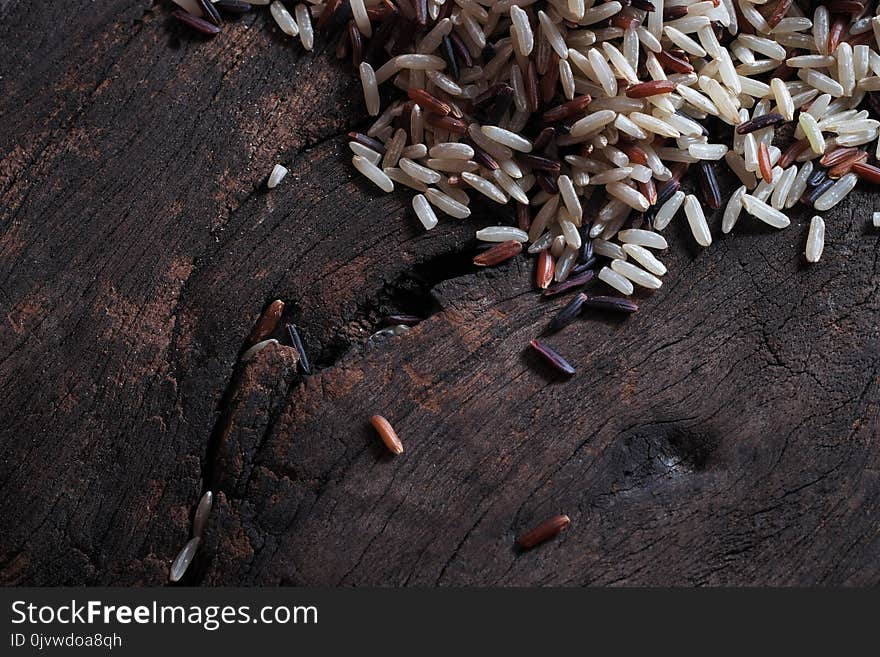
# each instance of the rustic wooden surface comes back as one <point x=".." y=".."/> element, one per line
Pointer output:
<point x="726" y="434"/>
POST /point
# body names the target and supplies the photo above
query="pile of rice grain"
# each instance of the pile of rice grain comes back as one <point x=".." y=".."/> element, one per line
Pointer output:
<point x="586" y="115"/>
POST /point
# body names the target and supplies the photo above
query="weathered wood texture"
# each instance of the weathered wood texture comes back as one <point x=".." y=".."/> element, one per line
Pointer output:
<point x="726" y="434"/>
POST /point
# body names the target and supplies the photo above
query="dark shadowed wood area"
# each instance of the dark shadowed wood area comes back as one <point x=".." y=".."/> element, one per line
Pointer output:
<point x="725" y="434"/>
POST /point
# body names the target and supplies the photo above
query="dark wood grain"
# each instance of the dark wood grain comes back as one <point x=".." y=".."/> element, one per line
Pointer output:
<point x="725" y="434"/>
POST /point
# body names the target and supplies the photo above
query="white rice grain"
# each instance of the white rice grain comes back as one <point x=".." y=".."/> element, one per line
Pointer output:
<point x="570" y="197"/>
<point x="542" y="217"/>
<point x="820" y="81"/>
<point x="523" y="37"/>
<point x="203" y="512"/>
<point x="620" y="64"/>
<point x="373" y="173"/>
<point x="485" y="187"/>
<point x="732" y="210"/>
<point x="509" y="185"/>
<point x="277" y="175"/>
<point x="645" y="258"/>
<point x="419" y="62"/>
<point x="553" y="36"/>
<point x="783" y="98"/>
<point x="397" y="175"/>
<point x="810" y="61"/>
<point x="763" y="45"/>
<point x="636" y="274"/>
<point x="361" y="19"/>
<point x="821" y="27"/>
<point x="653" y="124"/>
<point x="566" y="79"/>
<point x="811" y="130"/>
<point x="419" y="172"/>
<point x="668" y="210"/>
<point x="507" y="138"/>
<point x="433" y="39"/>
<point x="452" y="151"/>
<point x="447" y="204"/>
<point x="632" y="197"/>
<point x="304" y="23"/>
<point x="283" y="18"/>
<point x="592" y="122"/>
<point x="698" y="100"/>
<point x="183" y="559"/>
<point x="782" y="188"/>
<point x="684" y="42"/>
<point x="815" y="239"/>
<point x="570" y="233"/>
<point x="565" y="263"/>
<point x="501" y="234"/>
<point x="697" y="220"/>
<point x="799" y="185"/>
<point x="602" y="72"/>
<point x="616" y="280"/>
<point x="371" y="88"/>
<point x="644" y="238"/>
<point x="707" y="151"/>
<point x="608" y="249"/>
<point x="424" y="212"/>
<point x="761" y="210"/>
<point x="753" y="16"/>
<point x="836" y="193"/>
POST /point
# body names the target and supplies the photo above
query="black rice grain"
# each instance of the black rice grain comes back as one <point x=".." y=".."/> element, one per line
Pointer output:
<point x="198" y="24"/>
<point x="539" y="163"/>
<point x="583" y="266"/>
<point x="554" y="359"/>
<point x="482" y="157"/>
<point x="421" y="7"/>
<point x="666" y="190"/>
<point x="816" y="177"/>
<point x="233" y="6"/>
<point x="530" y="78"/>
<point x="357" y="44"/>
<point x="297" y="342"/>
<point x="586" y="250"/>
<point x="449" y="56"/>
<point x="461" y="49"/>
<point x="568" y="314"/>
<point x="543" y="139"/>
<point x="812" y="194"/>
<point x="547" y="183"/>
<point x="211" y="13"/>
<point x="611" y="303"/>
<point x="644" y="5"/>
<point x="758" y="123"/>
<point x="573" y="282"/>
<point x="709" y="188"/>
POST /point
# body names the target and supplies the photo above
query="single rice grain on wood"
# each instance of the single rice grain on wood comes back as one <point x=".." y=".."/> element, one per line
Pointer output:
<point x="815" y="239"/>
<point x="542" y="533"/>
<point x="387" y="434"/>
<point x="203" y="511"/>
<point x="183" y="559"/>
<point x="276" y="176"/>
